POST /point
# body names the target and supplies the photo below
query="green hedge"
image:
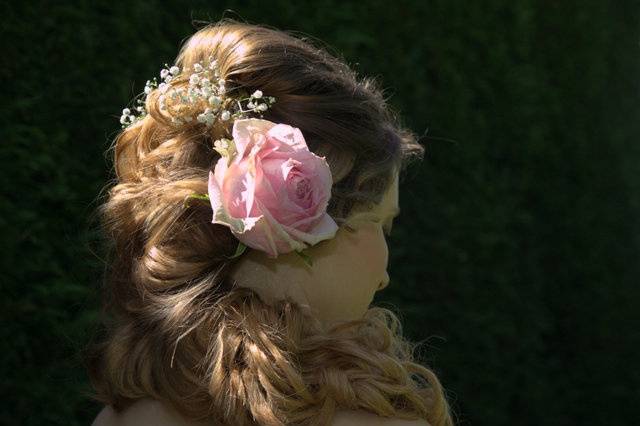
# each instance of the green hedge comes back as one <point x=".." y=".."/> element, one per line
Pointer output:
<point x="516" y="258"/>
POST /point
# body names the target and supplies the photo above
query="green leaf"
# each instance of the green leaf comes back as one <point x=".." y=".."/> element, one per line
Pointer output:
<point x="305" y="257"/>
<point x="196" y="196"/>
<point x="239" y="250"/>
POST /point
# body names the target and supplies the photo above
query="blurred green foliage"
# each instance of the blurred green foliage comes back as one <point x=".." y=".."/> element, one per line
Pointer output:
<point x="516" y="260"/>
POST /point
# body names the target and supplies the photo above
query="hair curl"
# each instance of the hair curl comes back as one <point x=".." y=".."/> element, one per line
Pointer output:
<point x="176" y="329"/>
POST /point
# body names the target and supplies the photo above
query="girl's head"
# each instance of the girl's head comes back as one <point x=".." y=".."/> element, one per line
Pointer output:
<point x="234" y="339"/>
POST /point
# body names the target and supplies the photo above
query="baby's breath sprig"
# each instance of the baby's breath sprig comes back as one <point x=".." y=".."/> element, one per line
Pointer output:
<point x="206" y="97"/>
<point x="257" y="103"/>
<point x="225" y="147"/>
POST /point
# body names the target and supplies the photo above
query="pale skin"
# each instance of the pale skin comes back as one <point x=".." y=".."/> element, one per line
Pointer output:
<point x="347" y="271"/>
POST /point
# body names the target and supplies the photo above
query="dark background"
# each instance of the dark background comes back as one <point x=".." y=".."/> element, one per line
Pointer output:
<point x="516" y="259"/>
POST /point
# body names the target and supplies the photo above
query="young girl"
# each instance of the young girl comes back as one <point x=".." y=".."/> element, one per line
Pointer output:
<point x="254" y="188"/>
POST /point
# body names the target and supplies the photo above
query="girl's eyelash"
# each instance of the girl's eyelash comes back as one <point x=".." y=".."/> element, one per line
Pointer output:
<point x="386" y="227"/>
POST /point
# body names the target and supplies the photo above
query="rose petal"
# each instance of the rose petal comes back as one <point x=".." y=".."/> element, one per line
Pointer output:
<point x="249" y="182"/>
<point x="291" y="136"/>
<point x="220" y="170"/>
<point x="305" y="223"/>
<point x="233" y="187"/>
<point x="215" y="196"/>
<point x="277" y="200"/>
<point x="243" y="131"/>
<point x="265" y="187"/>
<point x="259" y="236"/>
<point x="325" y="229"/>
<point x="287" y="243"/>
<point x="220" y="214"/>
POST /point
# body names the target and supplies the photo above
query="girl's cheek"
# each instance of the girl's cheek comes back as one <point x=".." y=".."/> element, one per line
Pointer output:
<point x="374" y="247"/>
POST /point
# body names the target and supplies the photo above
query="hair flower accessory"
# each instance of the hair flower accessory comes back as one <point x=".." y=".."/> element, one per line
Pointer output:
<point x="200" y="96"/>
<point x="267" y="186"/>
<point x="270" y="189"/>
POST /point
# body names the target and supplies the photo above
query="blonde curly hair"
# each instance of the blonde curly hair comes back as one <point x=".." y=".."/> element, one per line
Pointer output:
<point x="176" y="329"/>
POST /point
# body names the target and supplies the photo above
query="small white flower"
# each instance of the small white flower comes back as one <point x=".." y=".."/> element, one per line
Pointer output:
<point x="221" y="144"/>
<point x="194" y="94"/>
<point x="251" y="105"/>
<point x="214" y="101"/>
<point x="257" y="94"/>
<point x="147" y="89"/>
<point x="197" y="67"/>
<point x="140" y="109"/>
<point x="164" y="73"/>
<point x="262" y="107"/>
<point x="168" y="79"/>
<point x="126" y="111"/>
<point x="163" y="87"/>
<point x="202" y="118"/>
<point x="174" y="70"/>
<point x="123" y="119"/>
<point x="225" y="115"/>
<point x="213" y="64"/>
<point x="221" y="82"/>
<point x="205" y="81"/>
<point x="194" y="79"/>
<point x="206" y="91"/>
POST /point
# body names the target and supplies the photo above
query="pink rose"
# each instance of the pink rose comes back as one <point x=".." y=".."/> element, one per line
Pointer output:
<point x="270" y="190"/>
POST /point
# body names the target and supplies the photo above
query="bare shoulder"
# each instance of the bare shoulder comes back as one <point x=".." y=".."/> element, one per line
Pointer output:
<point x="153" y="413"/>
<point x="365" y="418"/>
<point x="144" y="412"/>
